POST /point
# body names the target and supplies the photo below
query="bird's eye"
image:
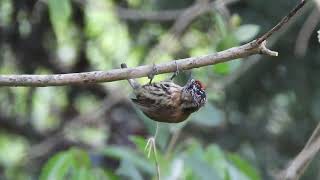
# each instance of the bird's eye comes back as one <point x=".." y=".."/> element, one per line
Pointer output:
<point x="191" y="87"/>
<point x="202" y="94"/>
<point x="199" y="92"/>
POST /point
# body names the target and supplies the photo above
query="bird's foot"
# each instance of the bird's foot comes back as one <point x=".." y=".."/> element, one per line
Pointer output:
<point x="153" y="72"/>
<point x="176" y="72"/>
<point x="123" y="65"/>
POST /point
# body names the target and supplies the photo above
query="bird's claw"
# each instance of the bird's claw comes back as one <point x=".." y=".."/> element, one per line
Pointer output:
<point x="176" y="72"/>
<point x="153" y="72"/>
<point x="123" y="65"/>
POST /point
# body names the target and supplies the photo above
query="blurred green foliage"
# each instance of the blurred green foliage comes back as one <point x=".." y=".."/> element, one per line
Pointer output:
<point x="243" y="133"/>
<point x="191" y="162"/>
<point x="72" y="164"/>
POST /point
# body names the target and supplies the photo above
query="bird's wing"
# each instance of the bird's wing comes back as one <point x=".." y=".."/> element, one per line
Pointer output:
<point x="155" y="111"/>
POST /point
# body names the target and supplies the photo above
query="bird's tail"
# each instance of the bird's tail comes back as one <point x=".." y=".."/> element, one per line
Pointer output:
<point x="133" y="83"/>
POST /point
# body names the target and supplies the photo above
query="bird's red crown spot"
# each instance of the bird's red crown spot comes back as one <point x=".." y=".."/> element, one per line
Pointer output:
<point x="202" y="86"/>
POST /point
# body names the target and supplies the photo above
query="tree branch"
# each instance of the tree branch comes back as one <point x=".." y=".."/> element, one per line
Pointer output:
<point x="282" y="22"/>
<point x="121" y="74"/>
<point x="300" y="163"/>
<point x="165" y="15"/>
<point x="251" y="48"/>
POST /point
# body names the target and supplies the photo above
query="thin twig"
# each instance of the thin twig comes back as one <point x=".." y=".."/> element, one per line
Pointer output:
<point x="282" y="22"/>
<point x="251" y="63"/>
<point x="313" y="137"/>
<point x="300" y="163"/>
<point x="134" y="14"/>
<point x="164" y="15"/>
<point x="227" y="82"/>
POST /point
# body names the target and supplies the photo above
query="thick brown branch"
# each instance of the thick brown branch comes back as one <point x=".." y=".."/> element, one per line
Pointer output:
<point x="121" y="74"/>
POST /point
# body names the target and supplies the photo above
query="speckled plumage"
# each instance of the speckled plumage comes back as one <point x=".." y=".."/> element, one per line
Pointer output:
<point x="168" y="102"/>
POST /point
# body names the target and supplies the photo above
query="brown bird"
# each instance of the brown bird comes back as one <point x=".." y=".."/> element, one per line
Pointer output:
<point x="166" y="101"/>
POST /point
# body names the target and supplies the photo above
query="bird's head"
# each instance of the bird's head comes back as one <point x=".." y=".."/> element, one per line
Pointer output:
<point x="197" y="91"/>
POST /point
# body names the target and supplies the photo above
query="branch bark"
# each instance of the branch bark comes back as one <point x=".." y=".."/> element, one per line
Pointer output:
<point x="140" y="71"/>
<point x="251" y="48"/>
<point x="300" y="163"/>
<point x="165" y="15"/>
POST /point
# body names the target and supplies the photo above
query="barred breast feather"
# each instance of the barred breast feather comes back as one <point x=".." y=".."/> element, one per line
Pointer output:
<point x="160" y="101"/>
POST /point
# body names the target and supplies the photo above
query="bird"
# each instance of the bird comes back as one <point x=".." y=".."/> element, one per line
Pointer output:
<point x="166" y="101"/>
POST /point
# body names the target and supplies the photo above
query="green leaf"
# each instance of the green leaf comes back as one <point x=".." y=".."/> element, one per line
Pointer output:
<point x="227" y="67"/>
<point x="44" y="101"/>
<point x="195" y="160"/>
<point x="57" y="167"/>
<point x="65" y="164"/>
<point x="92" y="174"/>
<point x="227" y="42"/>
<point x="21" y="96"/>
<point x="134" y="3"/>
<point x="140" y="142"/>
<point x="66" y="32"/>
<point x="6" y="12"/>
<point x="82" y="174"/>
<point x="246" y="32"/>
<point x="244" y="167"/>
<point x="109" y="40"/>
<point x="221" y="26"/>
<point x="227" y="176"/>
<point x="128" y="169"/>
<point x="174" y="169"/>
<point x="80" y="158"/>
<point x="201" y="168"/>
<point x="222" y="68"/>
<point x="194" y="149"/>
<point x="12" y="150"/>
<point x="235" y="20"/>
<point x="60" y="14"/>
<point x="99" y="173"/>
<point x="122" y="153"/>
<point x="235" y="174"/>
<point x="217" y="160"/>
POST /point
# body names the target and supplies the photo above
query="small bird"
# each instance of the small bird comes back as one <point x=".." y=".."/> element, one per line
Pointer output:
<point x="166" y="101"/>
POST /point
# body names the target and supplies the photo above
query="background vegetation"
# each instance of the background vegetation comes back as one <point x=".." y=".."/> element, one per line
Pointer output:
<point x="260" y="113"/>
